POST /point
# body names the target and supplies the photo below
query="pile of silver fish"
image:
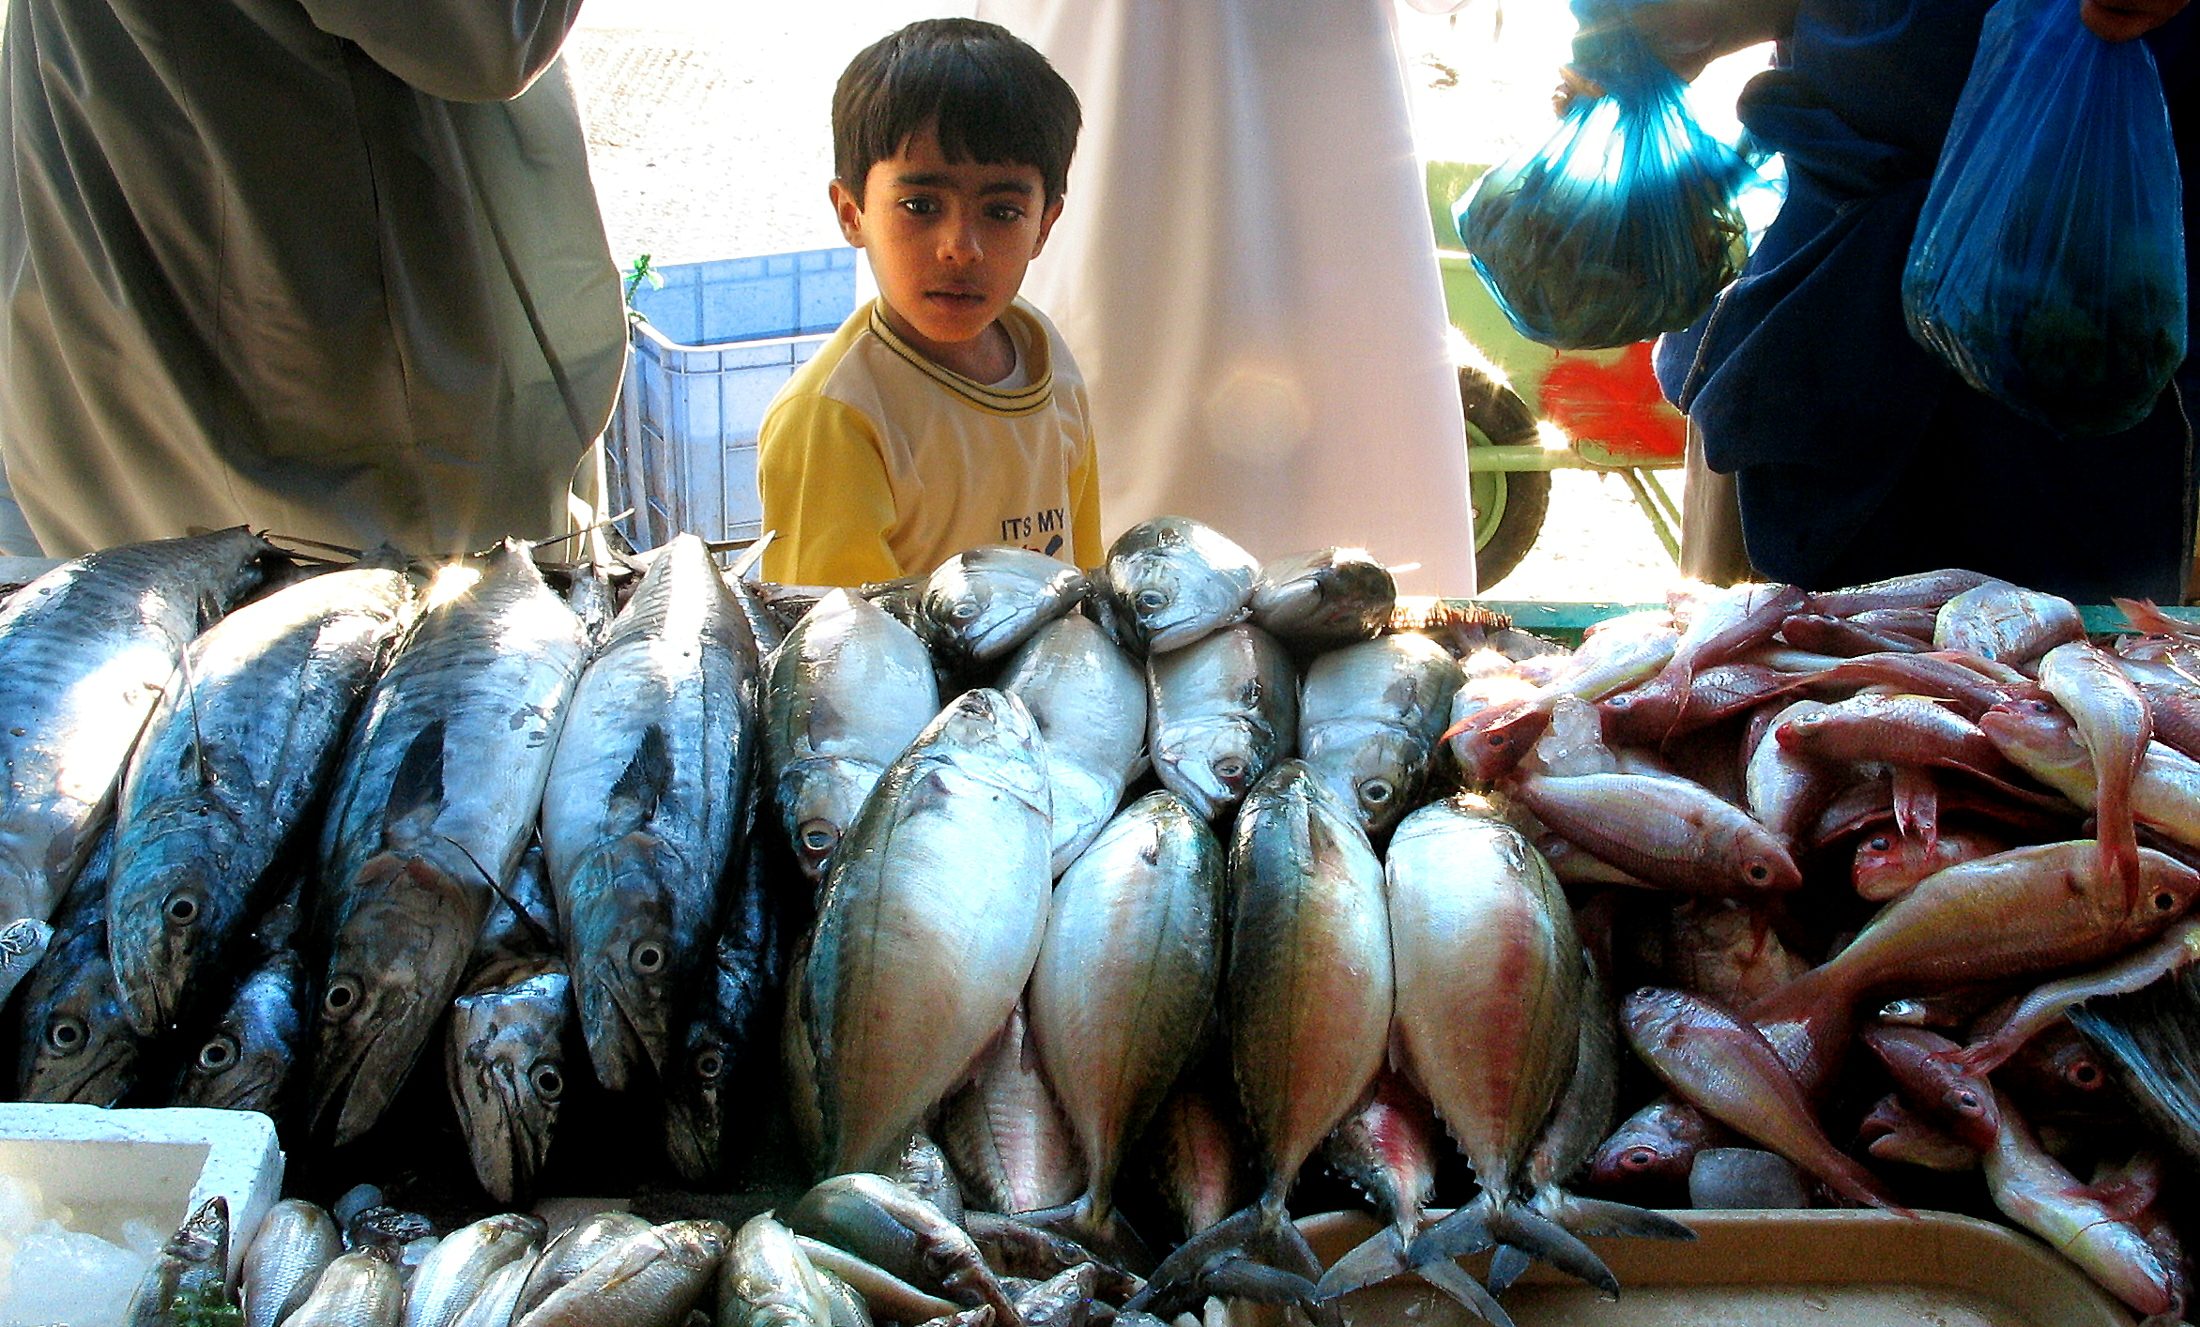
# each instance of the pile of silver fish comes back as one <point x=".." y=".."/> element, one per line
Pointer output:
<point x="1086" y="925"/>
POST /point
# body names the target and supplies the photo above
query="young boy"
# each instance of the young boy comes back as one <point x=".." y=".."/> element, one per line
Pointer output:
<point x="947" y="413"/>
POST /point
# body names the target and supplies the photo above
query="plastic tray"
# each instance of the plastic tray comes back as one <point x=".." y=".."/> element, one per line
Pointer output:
<point x="1773" y="1269"/>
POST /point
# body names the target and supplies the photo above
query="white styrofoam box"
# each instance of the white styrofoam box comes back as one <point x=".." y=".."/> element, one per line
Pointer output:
<point x="155" y="1165"/>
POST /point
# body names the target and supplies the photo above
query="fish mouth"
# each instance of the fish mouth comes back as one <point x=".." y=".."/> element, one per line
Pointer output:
<point x="625" y="1044"/>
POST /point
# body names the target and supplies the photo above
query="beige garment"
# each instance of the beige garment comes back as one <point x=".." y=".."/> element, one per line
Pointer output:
<point x="258" y="269"/>
<point x="1246" y="273"/>
<point x="1711" y="522"/>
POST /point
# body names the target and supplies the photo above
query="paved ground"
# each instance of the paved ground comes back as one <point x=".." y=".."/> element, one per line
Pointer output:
<point x="708" y="134"/>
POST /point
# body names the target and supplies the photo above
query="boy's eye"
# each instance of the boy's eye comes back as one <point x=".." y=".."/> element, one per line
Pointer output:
<point x="922" y="207"/>
<point x="1006" y="213"/>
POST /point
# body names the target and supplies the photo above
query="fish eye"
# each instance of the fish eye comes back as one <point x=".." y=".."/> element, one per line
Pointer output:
<point x="1880" y="843"/>
<point x="217" y="1055"/>
<point x="1150" y="600"/>
<point x="1638" y="1158"/>
<point x="182" y="908"/>
<point x="2164" y="901"/>
<point x="67" y="1034"/>
<point x="1965" y="1100"/>
<point x="548" y="1080"/>
<point x="1756" y="873"/>
<point x="342" y="997"/>
<point x="648" y="957"/>
<point x="1230" y="769"/>
<point x="2084" y="1074"/>
<point x="817" y="836"/>
<point x="710" y="1062"/>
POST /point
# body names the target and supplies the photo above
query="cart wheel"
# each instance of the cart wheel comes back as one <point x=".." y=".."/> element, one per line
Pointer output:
<point x="1509" y="506"/>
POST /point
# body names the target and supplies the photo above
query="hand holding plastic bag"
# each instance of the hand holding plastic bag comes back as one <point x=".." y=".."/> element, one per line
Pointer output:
<point x="1622" y="224"/>
<point x="2049" y="262"/>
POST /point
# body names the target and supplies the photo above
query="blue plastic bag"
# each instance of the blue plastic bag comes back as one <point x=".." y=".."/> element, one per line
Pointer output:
<point x="2049" y="262"/>
<point x="1623" y="223"/>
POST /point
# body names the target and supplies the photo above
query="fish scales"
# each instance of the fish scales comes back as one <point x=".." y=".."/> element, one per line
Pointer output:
<point x="646" y="801"/>
<point x="87" y="648"/>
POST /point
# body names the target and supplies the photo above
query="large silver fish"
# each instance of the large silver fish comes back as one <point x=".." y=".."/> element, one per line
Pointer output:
<point x="725" y="1076"/>
<point x="435" y="802"/>
<point x="296" y="1239"/>
<point x="87" y="649"/>
<point x="73" y="1044"/>
<point x="1170" y="580"/>
<point x="241" y="743"/>
<point x="646" y="801"/>
<point x="1126" y="979"/>
<point x="848" y="689"/>
<point x="1225" y="709"/>
<point x="504" y="1061"/>
<point x="928" y="928"/>
<point x="1326" y="598"/>
<point x="1089" y="699"/>
<point x="248" y="1059"/>
<point x="1370" y="716"/>
<point x="984" y="602"/>
<point x="1307" y="1002"/>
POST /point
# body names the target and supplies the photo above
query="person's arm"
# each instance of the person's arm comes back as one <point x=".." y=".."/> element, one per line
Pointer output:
<point x="1084" y="514"/>
<point x="2122" y="20"/>
<point x="459" y="50"/>
<point x="825" y="494"/>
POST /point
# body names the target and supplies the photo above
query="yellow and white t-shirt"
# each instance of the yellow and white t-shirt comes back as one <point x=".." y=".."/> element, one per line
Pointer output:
<point x="873" y="462"/>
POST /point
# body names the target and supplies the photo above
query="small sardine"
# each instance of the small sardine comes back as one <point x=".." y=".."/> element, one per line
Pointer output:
<point x="296" y="1240"/>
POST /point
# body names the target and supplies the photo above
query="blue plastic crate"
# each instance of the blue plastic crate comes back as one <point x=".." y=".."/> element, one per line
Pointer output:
<point x="712" y="347"/>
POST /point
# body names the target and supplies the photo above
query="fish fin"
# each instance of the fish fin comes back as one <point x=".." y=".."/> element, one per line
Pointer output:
<point x="1375" y="1259"/>
<point x="1454" y="1281"/>
<point x="1463" y="1231"/>
<point x="642" y="786"/>
<point x="416" y="789"/>
<point x="1506" y="1265"/>
<point x="1184" y="1266"/>
<point x="1240" y="1277"/>
<point x="1531" y="1232"/>
<point x="1603" y="1217"/>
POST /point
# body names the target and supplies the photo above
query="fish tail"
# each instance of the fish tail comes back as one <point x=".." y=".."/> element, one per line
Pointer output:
<point x="1521" y="1226"/>
<point x="1603" y="1217"/>
<point x="1454" y="1281"/>
<point x="1181" y="1280"/>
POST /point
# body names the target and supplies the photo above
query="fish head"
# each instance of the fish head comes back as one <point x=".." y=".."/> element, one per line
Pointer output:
<point x="697" y="1101"/>
<point x="1329" y="594"/>
<point x="818" y="800"/>
<point x="505" y="1062"/>
<point x="1489" y="741"/>
<point x="1176" y="580"/>
<point x="246" y="1062"/>
<point x="167" y="917"/>
<point x="2168" y="888"/>
<point x="395" y="957"/>
<point x="1376" y="772"/>
<point x="1921" y="1062"/>
<point x="75" y="1045"/>
<point x="1212" y="763"/>
<point x="624" y="941"/>
<point x="984" y="602"/>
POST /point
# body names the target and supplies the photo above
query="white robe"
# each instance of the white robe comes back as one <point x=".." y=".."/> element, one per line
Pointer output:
<point x="1246" y="272"/>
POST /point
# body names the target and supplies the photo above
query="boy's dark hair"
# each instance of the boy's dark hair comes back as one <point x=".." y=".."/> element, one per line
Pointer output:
<point x="988" y="95"/>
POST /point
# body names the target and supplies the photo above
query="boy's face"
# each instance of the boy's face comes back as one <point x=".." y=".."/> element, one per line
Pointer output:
<point x="948" y="242"/>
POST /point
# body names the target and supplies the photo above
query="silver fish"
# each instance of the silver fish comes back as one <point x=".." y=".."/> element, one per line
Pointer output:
<point x="1225" y="709"/>
<point x="889" y="1226"/>
<point x="572" y="1252"/>
<point x="1307" y="1003"/>
<point x="434" y="804"/>
<point x="295" y="1241"/>
<point x="23" y="942"/>
<point x="87" y="649"/>
<point x="1089" y="699"/>
<point x="190" y="1275"/>
<point x="847" y="691"/>
<point x="247" y="1060"/>
<point x="1171" y="580"/>
<point x="1005" y="1132"/>
<point x="493" y="1305"/>
<point x="769" y="1282"/>
<point x="504" y="1061"/>
<point x="647" y="1280"/>
<point x="927" y="930"/>
<point x="362" y="1288"/>
<point x="238" y="748"/>
<point x="646" y="801"/>
<point x="731" y="1039"/>
<point x="2006" y="623"/>
<point x="1326" y="598"/>
<point x="984" y="602"/>
<point x="74" y="1045"/>
<point x="1370" y="716"/>
<point x="1126" y="980"/>
<point x="449" y="1278"/>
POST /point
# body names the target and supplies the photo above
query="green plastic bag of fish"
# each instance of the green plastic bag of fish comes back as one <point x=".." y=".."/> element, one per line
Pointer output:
<point x="2048" y="267"/>
<point x="1623" y="223"/>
